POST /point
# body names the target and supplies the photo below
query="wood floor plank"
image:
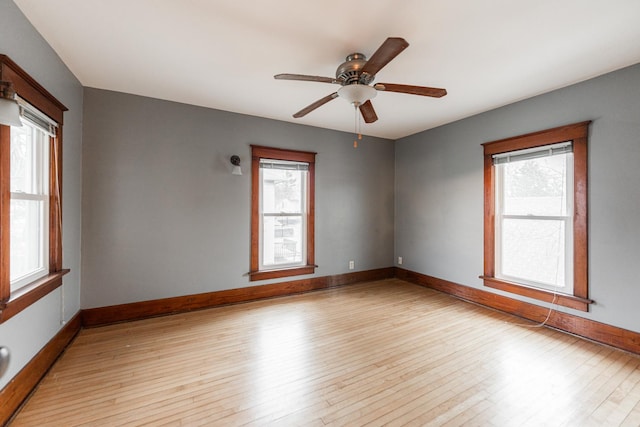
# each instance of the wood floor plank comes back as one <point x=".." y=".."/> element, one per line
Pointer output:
<point x="377" y="353"/>
<point x="633" y="417"/>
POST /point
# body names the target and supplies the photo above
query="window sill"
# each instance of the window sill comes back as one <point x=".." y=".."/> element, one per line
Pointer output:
<point x="564" y="300"/>
<point x="27" y="295"/>
<point x="284" y="272"/>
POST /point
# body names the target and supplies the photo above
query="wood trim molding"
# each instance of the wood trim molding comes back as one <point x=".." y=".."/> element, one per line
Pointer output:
<point x="571" y="301"/>
<point x="5" y="213"/>
<point x="537" y="139"/>
<point x="605" y="334"/>
<point x="489" y="217"/>
<point x="284" y="272"/>
<point x="263" y="152"/>
<point x="18" y="389"/>
<point x="31" y="293"/>
<point x="30" y="90"/>
<point x="55" y="202"/>
<point x="139" y="310"/>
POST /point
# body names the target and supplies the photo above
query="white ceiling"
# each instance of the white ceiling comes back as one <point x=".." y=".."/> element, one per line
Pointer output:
<point x="223" y="53"/>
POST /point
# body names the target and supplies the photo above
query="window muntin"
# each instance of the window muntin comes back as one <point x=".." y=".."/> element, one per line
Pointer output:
<point x="534" y="218"/>
<point x="29" y="206"/>
<point x="283" y="225"/>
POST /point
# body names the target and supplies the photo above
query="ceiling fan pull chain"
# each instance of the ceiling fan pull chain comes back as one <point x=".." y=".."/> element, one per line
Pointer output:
<point x="356" y="130"/>
<point x="359" y="118"/>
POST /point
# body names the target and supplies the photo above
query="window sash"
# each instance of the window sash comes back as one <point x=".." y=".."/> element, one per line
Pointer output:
<point x="270" y="246"/>
<point x="564" y="284"/>
<point x="29" y="247"/>
<point x="34" y="164"/>
<point x="31" y="261"/>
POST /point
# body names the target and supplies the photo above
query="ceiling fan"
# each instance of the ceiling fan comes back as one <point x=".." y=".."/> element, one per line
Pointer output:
<point x="356" y="74"/>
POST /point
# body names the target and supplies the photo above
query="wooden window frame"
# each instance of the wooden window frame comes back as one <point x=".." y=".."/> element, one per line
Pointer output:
<point x="578" y="134"/>
<point x="12" y="303"/>
<point x="260" y="152"/>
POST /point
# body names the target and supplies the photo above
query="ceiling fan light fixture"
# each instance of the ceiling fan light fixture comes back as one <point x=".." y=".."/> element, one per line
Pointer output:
<point x="9" y="108"/>
<point x="356" y="93"/>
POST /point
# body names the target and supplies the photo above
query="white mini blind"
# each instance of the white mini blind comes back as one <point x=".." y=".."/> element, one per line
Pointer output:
<point x="37" y="118"/>
<point x="283" y="165"/>
<point x="533" y="153"/>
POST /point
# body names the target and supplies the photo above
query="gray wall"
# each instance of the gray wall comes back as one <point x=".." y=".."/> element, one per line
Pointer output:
<point x="163" y="216"/>
<point x="439" y="190"/>
<point x="26" y="333"/>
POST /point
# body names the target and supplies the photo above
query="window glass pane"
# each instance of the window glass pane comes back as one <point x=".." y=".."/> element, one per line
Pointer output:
<point x="536" y="186"/>
<point x="28" y="227"/>
<point x="282" y="240"/>
<point x="23" y="157"/>
<point x="282" y="190"/>
<point x="534" y="250"/>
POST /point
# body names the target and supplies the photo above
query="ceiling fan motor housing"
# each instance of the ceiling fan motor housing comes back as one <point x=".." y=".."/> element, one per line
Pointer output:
<point x="349" y="73"/>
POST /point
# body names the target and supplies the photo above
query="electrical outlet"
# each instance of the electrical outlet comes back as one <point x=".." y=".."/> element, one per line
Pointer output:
<point x="352" y="265"/>
<point x="399" y="260"/>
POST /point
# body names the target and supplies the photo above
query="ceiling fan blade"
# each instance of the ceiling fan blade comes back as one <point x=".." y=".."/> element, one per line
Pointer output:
<point x="305" y="78"/>
<point x="320" y="102"/>
<point x="385" y="53"/>
<point x="368" y="113"/>
<point x="413" y="90"/>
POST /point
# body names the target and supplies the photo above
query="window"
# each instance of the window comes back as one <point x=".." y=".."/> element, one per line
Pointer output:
<point x="30" y="195"/>
<point x="282" y="213"/>
<point x="29" y="207"/>
<point x="536" y="215"/>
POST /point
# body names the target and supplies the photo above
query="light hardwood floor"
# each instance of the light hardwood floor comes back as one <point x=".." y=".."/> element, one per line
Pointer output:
<point x="378" y="353"/>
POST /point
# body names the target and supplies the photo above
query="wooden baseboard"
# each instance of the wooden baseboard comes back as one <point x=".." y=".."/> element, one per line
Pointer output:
<point x="139" y="310"/>
<point x="19" y="388"/>
<point x="590" y="329"/>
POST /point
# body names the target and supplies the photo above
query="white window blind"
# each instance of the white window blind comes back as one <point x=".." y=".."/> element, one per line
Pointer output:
<point x="37" y="118"/>
<point x="533" y="153"/>
<point x="283" y="165"/>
